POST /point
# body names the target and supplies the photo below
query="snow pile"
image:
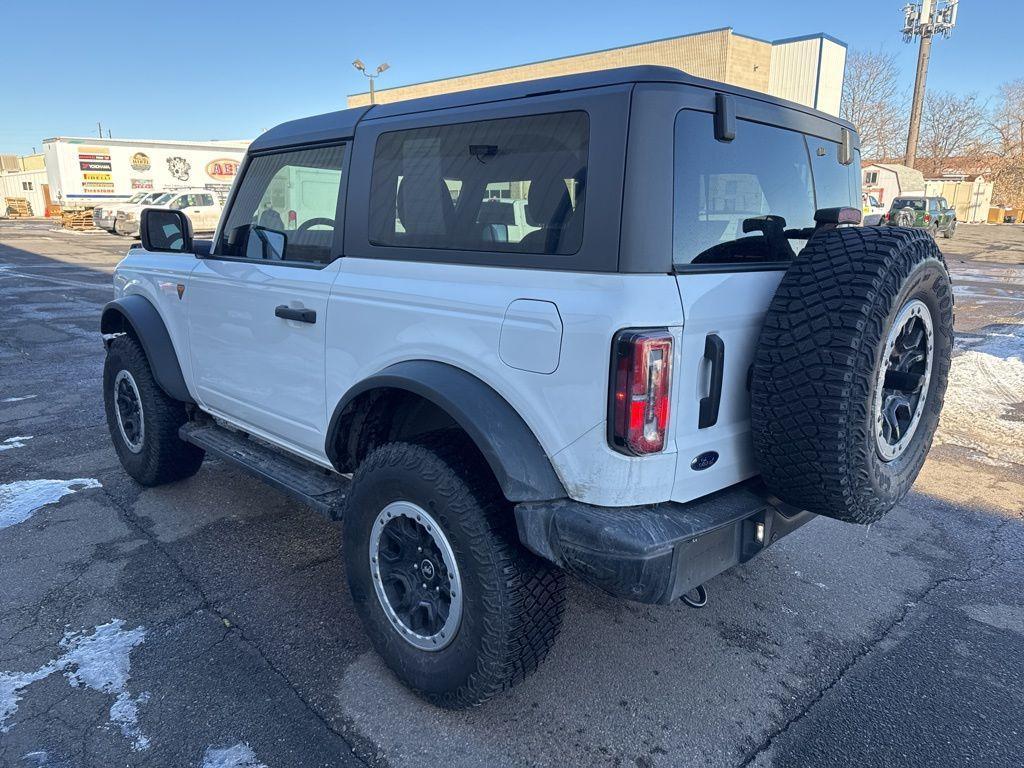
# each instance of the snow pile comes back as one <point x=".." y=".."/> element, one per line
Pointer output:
<point x="984" y="408"/>
<point x="238" y="756"/>
<point x="100" y="661"/>
<point x="18" y="500"/>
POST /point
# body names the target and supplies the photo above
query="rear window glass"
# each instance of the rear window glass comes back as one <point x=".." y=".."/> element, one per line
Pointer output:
<point x="734" y="200"/>
<point x="908" y="202"/>
<point x="512" y="185"/>
<point x="745" y="200"/>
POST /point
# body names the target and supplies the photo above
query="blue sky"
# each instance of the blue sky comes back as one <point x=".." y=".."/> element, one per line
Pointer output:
<point x="223" y="69"/>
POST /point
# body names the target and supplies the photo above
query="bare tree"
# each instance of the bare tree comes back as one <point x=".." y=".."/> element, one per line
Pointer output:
<point x="954" y="134"/>
<point x="874" y="103"/>
<point x="1007" y="124"/>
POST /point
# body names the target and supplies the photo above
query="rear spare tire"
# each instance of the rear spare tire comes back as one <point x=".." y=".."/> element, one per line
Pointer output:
<point x="850" y="371"/>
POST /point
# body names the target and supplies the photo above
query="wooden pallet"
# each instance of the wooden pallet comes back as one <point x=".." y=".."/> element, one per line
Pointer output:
<point x="18" y="208"/>
<point x="79" y="220"/>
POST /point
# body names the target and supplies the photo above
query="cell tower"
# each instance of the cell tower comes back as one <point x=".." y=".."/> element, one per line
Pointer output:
<point x="922" y="21"/>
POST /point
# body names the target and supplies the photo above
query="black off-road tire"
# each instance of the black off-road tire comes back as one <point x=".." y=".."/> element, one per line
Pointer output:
<point x="512" y="600"/>
<point x="950" y="230"/>
<point x="817" y="367"/>
<point x="164" y="457"/>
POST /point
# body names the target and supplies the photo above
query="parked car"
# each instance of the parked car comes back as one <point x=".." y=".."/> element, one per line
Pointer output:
<point x="930" y="213"/>
<point x="200" y="206"/>
<point x="104" y="216"/>
<point x="872" y="210"/>
<point x="688" y="355"/>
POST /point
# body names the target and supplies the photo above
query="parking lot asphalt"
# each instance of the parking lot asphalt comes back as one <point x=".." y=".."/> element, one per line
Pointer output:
<point x="207" y="622"/>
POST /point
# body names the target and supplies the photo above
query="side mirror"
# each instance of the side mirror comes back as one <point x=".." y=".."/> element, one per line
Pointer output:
<point x="166" y="231"/>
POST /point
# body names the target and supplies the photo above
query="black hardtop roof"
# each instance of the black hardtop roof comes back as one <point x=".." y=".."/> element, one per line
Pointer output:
<point x="342" y="124"/>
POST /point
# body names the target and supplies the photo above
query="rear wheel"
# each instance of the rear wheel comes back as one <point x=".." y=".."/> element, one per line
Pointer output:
<point x="850" y="371"/>
<point x="950" y="230"/>
<point x="455" y="607"/>
<point x="143" y="419"/>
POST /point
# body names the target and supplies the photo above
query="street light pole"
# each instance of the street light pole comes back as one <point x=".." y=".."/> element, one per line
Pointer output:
<point x="923" y="20"/>
<point x="381" y="69"/>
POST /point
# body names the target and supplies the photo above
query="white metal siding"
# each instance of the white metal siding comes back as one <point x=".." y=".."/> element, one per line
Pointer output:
<point x="12" y="185"/>
<point x="830" y="77"/>
<point x="794" y="70"/>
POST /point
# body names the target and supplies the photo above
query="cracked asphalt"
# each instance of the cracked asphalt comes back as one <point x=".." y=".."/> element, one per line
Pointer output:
<point x="894" y="645"/>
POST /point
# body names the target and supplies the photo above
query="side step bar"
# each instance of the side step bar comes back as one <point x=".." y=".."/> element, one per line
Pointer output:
<point x="320" y="488"/>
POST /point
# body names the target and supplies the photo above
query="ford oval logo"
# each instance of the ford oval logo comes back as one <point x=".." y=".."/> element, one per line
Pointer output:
<point x="705" y="460"/>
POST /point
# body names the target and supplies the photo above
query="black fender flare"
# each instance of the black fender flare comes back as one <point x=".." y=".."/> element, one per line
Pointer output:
<point x="507" y="443"/>
<point x="138" y="314"/>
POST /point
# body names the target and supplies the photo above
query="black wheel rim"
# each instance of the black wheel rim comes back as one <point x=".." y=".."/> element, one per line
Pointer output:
<point x="128" y="409"/>
<point x="902" y="388"/>
<point x="415" y="575"/>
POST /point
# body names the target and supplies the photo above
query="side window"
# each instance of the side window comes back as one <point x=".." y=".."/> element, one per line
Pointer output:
<point x="206" y="200"/>
<point x="181" y="201"/>
<point x="734" y="200"/>
<point x="509" y="185"/>
<point x="285" y="207"/>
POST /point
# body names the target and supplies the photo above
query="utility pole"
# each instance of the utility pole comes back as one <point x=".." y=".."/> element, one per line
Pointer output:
<point x="99" y="127"/>
<point x="923" y="20"/>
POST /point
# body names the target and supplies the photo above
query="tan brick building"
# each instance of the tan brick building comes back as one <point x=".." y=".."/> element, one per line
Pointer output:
<point x="808" y="69"/>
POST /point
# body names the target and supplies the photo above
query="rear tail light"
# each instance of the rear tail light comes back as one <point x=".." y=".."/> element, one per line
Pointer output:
<point x="927" y="218"/>
<point x="640" y="391"/>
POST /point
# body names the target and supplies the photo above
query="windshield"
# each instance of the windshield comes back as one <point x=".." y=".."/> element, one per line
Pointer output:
<point x="918" y="204"/>
<point x="136" y="198"/>
<point x="165" y="197"/>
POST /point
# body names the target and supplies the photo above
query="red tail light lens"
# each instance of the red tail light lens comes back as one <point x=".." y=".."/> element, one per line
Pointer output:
<point x="927" y="218"/>
<point x="640" y="391"/>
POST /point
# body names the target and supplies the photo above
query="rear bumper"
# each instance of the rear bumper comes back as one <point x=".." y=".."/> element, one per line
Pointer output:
<point x="656" y="553"/>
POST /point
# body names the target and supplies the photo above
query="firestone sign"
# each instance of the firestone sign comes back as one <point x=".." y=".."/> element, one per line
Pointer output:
<point x="222" y="170"/>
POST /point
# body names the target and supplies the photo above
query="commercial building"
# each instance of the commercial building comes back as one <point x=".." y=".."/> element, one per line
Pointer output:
<point x="808" y="70"/>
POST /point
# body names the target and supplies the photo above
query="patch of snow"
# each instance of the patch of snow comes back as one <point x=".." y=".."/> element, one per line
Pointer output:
<point x="14" y="442"/>
<point x="100" y="661"/>
<point x="17" y="399"/>
<point x="238" y="756"/>
<point x="18" y="500"/>
<point x="986" y="382"/>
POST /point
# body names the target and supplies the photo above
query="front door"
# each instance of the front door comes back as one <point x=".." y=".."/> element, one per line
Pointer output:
<point x="734" y="202"/>
<point x="258" y="304"/>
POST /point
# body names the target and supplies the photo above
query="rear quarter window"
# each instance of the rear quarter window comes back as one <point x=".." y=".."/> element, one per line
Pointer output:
<point x="457" y="187"/>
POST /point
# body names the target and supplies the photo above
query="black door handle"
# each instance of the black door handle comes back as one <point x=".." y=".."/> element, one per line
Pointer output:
<point x="714" y="351"/>
<point x="292" y="313"/>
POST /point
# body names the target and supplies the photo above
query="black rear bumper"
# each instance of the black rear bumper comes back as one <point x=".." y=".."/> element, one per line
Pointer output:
<point x="658" y="552"/>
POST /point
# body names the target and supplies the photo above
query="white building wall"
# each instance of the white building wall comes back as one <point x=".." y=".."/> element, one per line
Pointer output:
<point x="13" y="185"/>
<point x="809" y="71"/>
<point x="830" y="76"/>
<point x="791" y="63"/>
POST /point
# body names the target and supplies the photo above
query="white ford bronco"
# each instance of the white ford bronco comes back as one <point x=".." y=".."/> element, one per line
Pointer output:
<point x="683" y="353"/>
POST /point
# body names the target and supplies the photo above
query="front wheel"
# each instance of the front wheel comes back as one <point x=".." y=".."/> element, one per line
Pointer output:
<point x="455" y="607"/>
<point x="950" y="230"/>
<point x="143" y="419"/>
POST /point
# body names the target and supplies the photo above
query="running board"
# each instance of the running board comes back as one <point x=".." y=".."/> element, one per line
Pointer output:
<point x="322" y="489"/>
